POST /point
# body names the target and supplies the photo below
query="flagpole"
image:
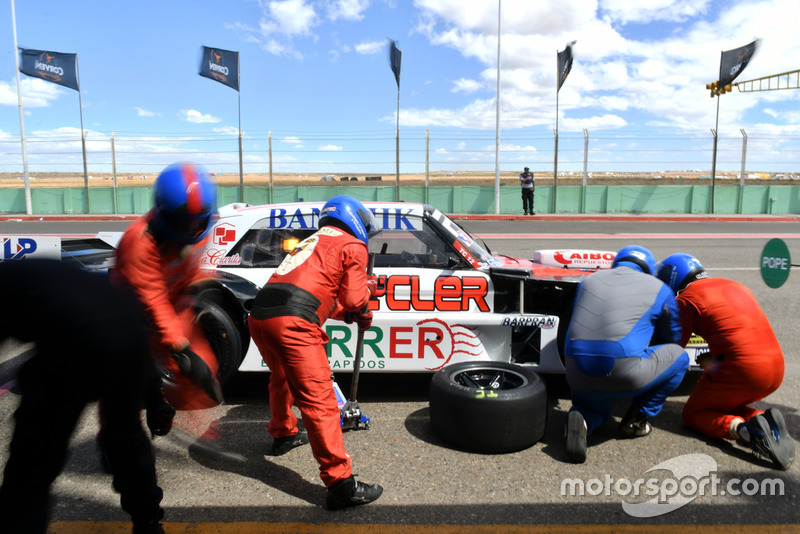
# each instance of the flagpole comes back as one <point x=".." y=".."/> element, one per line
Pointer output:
<point x="497" y="122"/>
<point x="241" y="175"/>
<point x="239" y="93"/>
<point x="714" y="157"/>
<point x="555" y="150"/>
<point x="28" y="207"/>
<point x="397" y="148"/>
<point x="83" y="140"/>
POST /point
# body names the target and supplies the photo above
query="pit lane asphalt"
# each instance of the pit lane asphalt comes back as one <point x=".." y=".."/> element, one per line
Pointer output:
<point x="428" y="484"/>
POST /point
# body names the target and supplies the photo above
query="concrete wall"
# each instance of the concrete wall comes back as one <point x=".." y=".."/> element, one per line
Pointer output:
<point x="751" y="199"/>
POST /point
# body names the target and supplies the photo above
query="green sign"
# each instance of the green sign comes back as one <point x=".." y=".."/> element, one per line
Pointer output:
<point x="775" y="263"/>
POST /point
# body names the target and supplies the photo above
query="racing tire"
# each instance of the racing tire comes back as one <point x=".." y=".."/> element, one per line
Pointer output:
<point x="488" y="407"/>
<point x="222" y="335"/>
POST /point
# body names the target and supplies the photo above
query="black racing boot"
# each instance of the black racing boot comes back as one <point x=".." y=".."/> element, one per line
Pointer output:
<point x="350" y="492"/>
<point x="757" y="434"/>
<point x="634" y="424"/>
<point x="281" y="446"/>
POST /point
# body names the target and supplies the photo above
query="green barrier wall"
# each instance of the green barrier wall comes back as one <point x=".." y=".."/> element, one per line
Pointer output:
<point x="614" y="199"/>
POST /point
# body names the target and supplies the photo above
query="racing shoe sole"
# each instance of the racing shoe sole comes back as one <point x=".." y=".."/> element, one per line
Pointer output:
<point x="576" y="437"/>
<point x="350" y="492"/>
<point x="783" y="453"/>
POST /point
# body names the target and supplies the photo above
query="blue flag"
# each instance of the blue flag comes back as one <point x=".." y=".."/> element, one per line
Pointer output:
<point x="395" y="55"/>
<point x="51" y="66"/>
<point x="733" y="62"/>
<point x="564" y="61"/>
<point x="221" y="65"/>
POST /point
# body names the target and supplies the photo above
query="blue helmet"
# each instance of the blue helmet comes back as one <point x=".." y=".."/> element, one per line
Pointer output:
<point x="184" y="200"/>
<point x="636" y="257"/>
<point x="349" y="214"/>
<point x="679" y="270"/>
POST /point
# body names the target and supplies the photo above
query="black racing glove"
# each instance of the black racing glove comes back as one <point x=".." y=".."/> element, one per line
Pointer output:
<point x="192" y="366"/>
<point x="159" y="417"/>
<point x="363" y="318"/>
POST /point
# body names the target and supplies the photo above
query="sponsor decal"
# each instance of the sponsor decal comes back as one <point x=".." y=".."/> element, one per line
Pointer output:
<point x="583" y="258"/>
<point x="466" y="254"/>
<point x="429" y="339"/>
<point x="224" y="234"/>
<point x="15" y="249"/>
<point x="299" y="254"/>
<point x="543" y="322"/>
<point x="304" y="219"/>
<point x="18" y="248"/>
<point x="447" y="293"/>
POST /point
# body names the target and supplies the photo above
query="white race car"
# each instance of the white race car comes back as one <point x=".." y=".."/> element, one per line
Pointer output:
<point x="445" y="298"/>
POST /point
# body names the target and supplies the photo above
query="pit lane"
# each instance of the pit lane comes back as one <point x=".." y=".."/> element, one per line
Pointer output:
<point x="428" y="484"/>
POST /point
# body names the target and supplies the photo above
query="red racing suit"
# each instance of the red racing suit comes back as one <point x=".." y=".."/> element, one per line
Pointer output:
<point x="323" y="277"/>
<point x="747" y="359"/>
<point x="160" y="278"/>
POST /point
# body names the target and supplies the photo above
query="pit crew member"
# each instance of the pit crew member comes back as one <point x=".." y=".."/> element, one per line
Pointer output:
<point x="324" y="276"/>
<point x="744" y="363"/>
<point x="90" y="344"/>
<point x="622" y="342"/>
<point x="157" y="258"/>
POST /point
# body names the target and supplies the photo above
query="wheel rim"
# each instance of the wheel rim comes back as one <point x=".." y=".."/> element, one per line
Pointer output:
<point x="490" y="378"/>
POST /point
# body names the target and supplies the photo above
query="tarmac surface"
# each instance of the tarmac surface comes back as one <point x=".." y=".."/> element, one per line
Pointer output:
<point x="433" y="487"/>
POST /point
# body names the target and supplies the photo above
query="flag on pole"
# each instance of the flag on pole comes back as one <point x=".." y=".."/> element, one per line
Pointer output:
<point x="564" y="64"/>
<point x="221" y="65"/>
<point x="733" y="62"/>
<point x="54" y="67"/>
<point x="395" y="55"/>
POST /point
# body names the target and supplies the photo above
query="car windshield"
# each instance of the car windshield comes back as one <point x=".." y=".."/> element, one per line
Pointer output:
<point x="461" y="241"/>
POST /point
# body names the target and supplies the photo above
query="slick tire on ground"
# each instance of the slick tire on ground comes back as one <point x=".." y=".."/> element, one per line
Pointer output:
<point x="488" y="407"/>
<point x="222" y="335"/>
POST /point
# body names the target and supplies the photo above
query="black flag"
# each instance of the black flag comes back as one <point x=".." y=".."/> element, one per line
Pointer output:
<point x="395" y="55"/>
<point x="221" y="65"/>
<point x="733" y="62"/>
<point x="564" y="64"/>
<point x="51" y="66"/>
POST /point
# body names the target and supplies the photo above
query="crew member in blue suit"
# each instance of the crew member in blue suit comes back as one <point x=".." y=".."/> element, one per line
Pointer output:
<point x="622" y="342"/>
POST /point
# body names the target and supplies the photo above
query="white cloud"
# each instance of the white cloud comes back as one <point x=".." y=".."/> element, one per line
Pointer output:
<point x="625" y="11"/>
<point x="371" y="47"/>
<point x="141" y="112"/>
<point x="329" y="148"/>
<point x="288" y="17"/>
<point x="292" y="140"/>
<point x="195" y="117"/>
<point x="347" y="9"/>
<point x="228" y="130"/>
<point x="467" y="86"/>
<point x="36" y="93"/>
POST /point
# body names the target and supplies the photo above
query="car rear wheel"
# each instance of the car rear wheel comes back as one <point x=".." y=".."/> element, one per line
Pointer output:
<point x="490" y="407"/>
<point x="222" y="335"/>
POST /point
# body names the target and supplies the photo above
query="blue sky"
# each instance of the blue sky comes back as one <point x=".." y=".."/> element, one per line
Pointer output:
<point x="316" y="74"/>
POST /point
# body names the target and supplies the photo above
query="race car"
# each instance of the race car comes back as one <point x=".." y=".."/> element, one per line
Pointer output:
<point x="444" y="297"/>
<point x="484" y="325"/>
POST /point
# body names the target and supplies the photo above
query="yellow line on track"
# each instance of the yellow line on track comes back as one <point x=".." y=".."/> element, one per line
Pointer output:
<point x="113" y="527"/>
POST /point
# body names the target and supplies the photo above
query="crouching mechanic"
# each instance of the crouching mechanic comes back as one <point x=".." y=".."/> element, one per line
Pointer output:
<point x="90" y="344"/>
<point x="324" y="276"/>
<point x="622" y="342"/>
<point x="744" y="363"/>
<point x="158" y="259"/>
